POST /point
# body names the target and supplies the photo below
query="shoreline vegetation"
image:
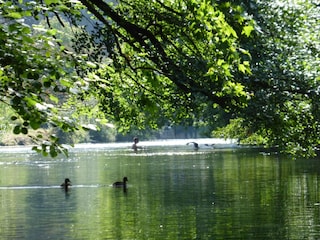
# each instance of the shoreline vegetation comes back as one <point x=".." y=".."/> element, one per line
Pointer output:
<point x="11" y="139"/>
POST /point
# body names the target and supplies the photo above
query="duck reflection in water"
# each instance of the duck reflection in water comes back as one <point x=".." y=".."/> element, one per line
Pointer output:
<point x="66" y="184"/>
<point x="121" y="184"/>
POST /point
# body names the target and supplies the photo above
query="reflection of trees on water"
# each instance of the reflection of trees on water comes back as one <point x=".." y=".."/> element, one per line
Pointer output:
<point x="268" y="196"/>
<point x="216" y="194"/>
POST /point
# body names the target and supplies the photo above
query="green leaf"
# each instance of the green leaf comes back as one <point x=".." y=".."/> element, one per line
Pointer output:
<point x="242" y="68"/>
<point x="247" y="30"/>
<point x="17" y="130"/>
<point x="52" y="32"/>
<point x="24" y="130"/>
<point x="30" y="101"/>
<point x="54" y="98"/>
<point x="53" y="151"/>
<point x="15" y="15"/>
<point x="65" y="82"/>
<point x="35" y="124"/>
<point x="91" y="64"/>
<point x="48" y="2"/>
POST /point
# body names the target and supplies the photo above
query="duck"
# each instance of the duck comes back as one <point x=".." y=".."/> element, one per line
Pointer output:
<point x="210" y="145"/>
<point x="66" y="184"/>
<point x="121" y="184"/>
<point x="195" y="145"/>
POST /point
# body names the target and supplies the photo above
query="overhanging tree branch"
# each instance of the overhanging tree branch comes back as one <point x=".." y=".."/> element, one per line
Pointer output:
<point x="148" y="41"/>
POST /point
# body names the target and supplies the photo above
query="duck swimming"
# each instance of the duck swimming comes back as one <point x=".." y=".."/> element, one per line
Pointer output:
<point x="195" y="145"/>
<point x="66" y="184"/>
<point x="121" y="184"/>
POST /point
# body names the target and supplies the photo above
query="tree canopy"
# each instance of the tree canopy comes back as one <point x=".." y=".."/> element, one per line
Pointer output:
<point x="285" y="76"/>
<point x="150" y="63"/>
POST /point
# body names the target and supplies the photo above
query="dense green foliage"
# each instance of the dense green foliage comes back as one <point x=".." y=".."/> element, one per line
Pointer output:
<point x="37" y="74"/>
<point x="71" y="64"/>
<point x="285" y="76"/>
<point x="175" y="60"/>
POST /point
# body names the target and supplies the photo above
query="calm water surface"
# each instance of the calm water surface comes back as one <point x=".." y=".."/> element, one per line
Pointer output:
<point x="173" y="192"/>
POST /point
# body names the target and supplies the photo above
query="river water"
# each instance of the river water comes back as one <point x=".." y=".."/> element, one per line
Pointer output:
<point x="173" y="192"/>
